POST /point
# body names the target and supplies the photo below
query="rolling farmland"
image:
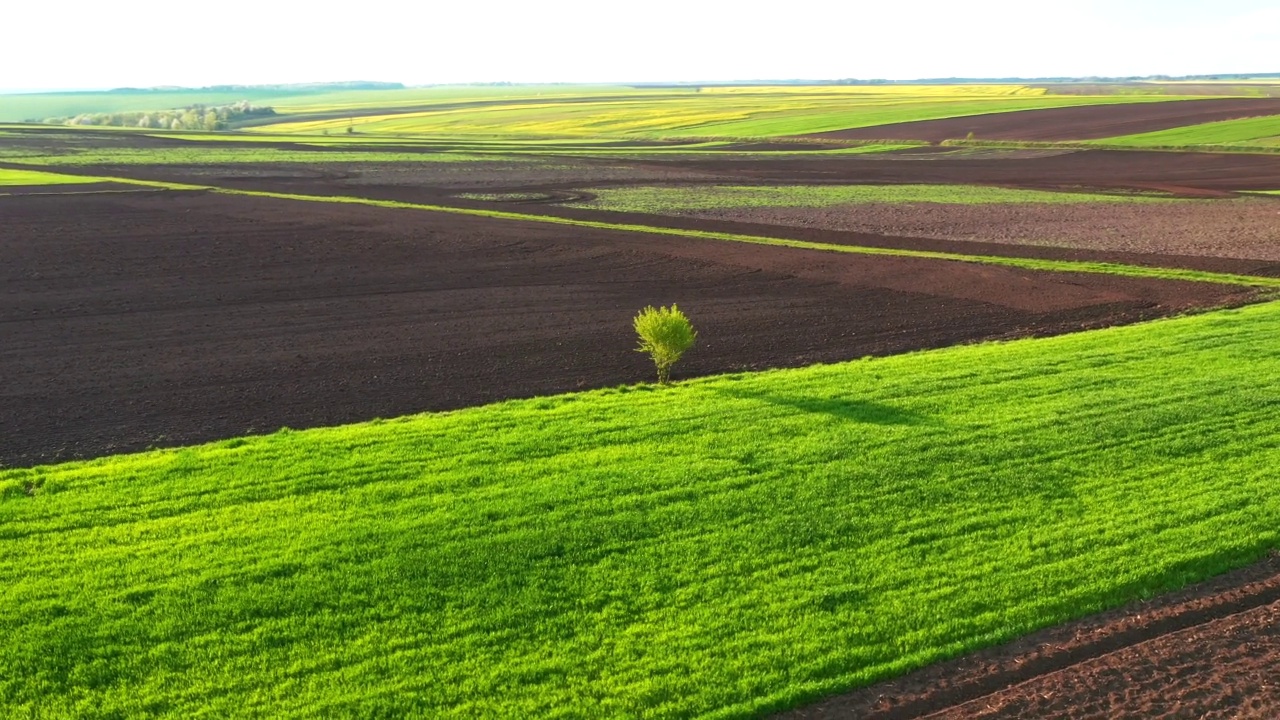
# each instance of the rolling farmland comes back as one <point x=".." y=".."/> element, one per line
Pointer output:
<point x="944" y="396"/>
<point x="861" y="519"/>
<point x="746" y="116"/>
<point x="1087" y="122"/>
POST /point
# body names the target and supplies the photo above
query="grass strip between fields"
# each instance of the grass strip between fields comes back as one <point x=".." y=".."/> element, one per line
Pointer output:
<point x="217" y="155"/>
<point x="665" y="200"/>
<point x="75" y="192"/>
<point x="721" y="548"/>
<point x="14" y="177"/>
<point x="1264" y="130"/>
<point x="1096" y="145"/>
<point x="1104" y="268"/>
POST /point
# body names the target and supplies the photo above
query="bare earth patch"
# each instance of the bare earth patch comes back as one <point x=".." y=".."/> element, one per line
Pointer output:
<point x="1235" y="228"/>
<point x="1211" y="650"/>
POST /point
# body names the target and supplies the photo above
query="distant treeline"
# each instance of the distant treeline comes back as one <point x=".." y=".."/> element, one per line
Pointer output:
<point x="1088" y="79"/>
<point x="969" y="81"/>
<point x="285" y="88"/>
<point x="193" y="117"/>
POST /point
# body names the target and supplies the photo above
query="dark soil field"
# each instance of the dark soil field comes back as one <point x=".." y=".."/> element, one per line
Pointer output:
<point x="164" y="318"/>
<point x="1191" y="174"/>
<point x="1182" y="173"/>
<point x="160" y="318"/>
<point x="1086" y="122"/>
<point x="1246" y="229"/>
<point x="1214" y="230"/>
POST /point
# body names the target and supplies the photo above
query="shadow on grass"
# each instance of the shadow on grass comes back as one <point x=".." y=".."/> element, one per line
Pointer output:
<point x="860" y="411"/>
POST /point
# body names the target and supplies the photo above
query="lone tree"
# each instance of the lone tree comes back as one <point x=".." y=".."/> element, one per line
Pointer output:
<point x="664" y="334"/>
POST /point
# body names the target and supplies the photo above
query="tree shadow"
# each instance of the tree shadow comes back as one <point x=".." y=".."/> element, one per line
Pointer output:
<point x="860" y="411"/>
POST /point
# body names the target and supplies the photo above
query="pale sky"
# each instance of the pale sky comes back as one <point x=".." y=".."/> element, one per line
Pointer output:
<point x="86" y="44"/>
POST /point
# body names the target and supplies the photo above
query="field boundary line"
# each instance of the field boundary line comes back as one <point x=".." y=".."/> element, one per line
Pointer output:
<point x="77" y="192"/>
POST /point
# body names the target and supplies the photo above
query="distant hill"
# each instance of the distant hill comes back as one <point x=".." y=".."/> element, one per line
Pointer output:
<point x="36" y="107"/>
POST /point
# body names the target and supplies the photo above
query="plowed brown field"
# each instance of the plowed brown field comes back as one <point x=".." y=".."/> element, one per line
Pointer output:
<point x="1209" y="651"/>
<point x="1245" y="229"/>
<point x="1194" y="174"/>
<point x="1189" y="173"/>
<point x="161" y="318"/>
<point x="1085" y="122"/>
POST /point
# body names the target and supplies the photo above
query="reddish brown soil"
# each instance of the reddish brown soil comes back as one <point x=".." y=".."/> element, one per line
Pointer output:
<point x="176" y="317"/>
<point x="1088" y="122"/>
<point x="1169" y="171"/>
<point x="1247" y="229"/>
<point x="1227" y="237"/>
<point x="1209" y="651"/>
<point x="828" y="225"/>
<point x="1190" y="174"/>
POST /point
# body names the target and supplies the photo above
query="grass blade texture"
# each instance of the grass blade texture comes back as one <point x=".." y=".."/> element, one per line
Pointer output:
<point x="719" y="548"/>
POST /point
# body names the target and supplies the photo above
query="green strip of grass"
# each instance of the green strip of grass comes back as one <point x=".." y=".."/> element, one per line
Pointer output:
<point x="872" y="148"/>
<point x="662" y="200"/>
<point x="212" y="155"/>
<point x="502" y="197"/>
<point x="36" y="177"/>
<point x="721" y="548"/>
<point x="1259" y="147"/>
<point x="1225" y="132"/>
<point x="717" y="149"/>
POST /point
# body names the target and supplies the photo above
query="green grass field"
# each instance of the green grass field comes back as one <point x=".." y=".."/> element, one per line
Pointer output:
<point x="36" y="177"/>
<point x="721" y="548"/>
<point x="667" y="199"/>
<point x="1264" y="131"/>
<point x="714" y="112"/>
